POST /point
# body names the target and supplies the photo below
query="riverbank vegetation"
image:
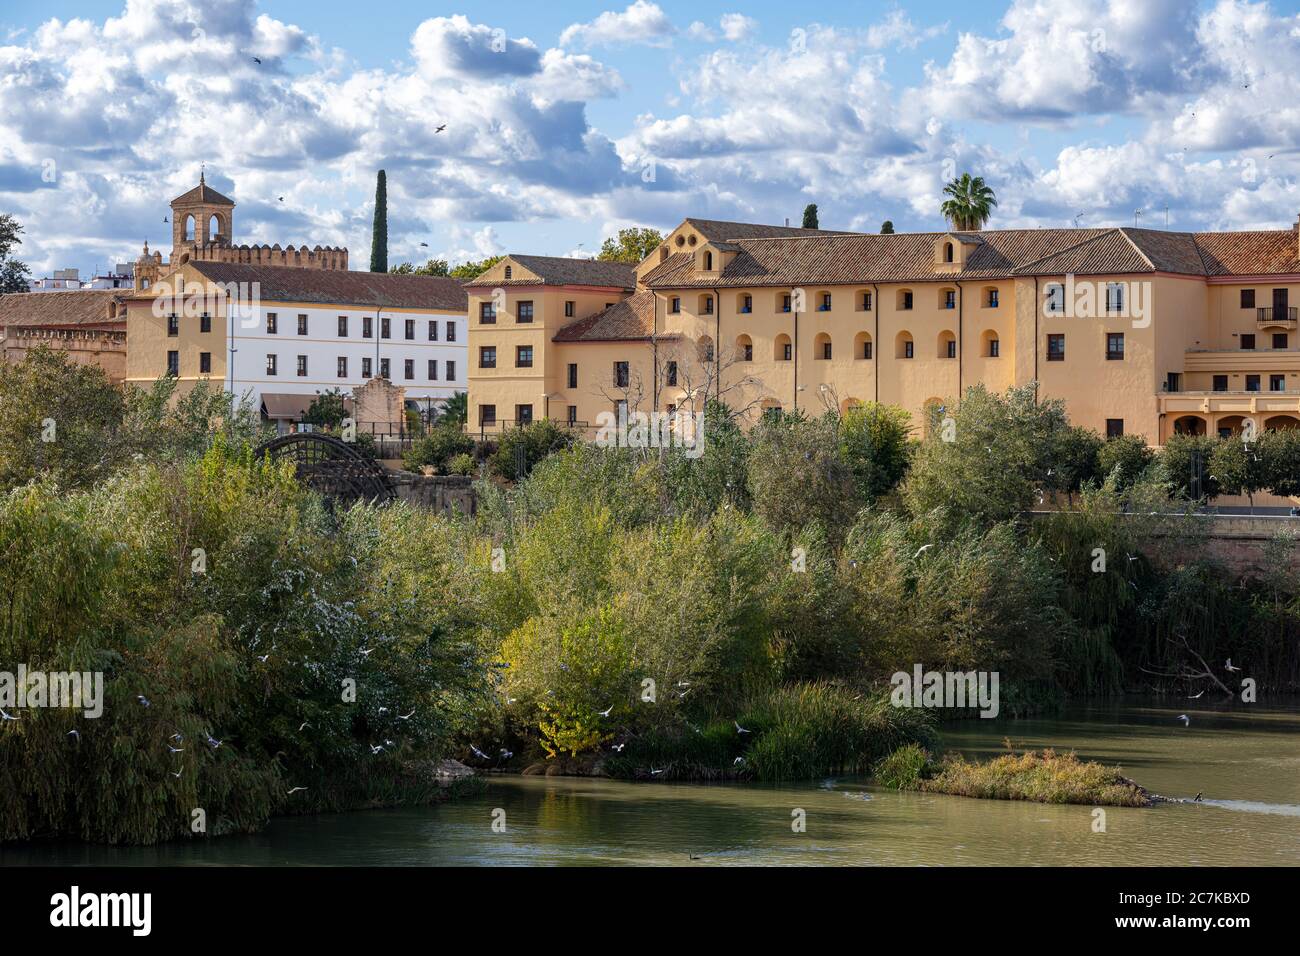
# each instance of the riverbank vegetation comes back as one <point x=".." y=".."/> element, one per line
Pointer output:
<point x="634" y="611"/>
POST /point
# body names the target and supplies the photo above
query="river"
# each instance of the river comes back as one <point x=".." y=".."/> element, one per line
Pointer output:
<point x="1246" y="761"/>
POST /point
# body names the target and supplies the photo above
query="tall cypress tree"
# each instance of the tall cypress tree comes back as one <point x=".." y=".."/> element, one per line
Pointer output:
<point x="379" y="237"/>
<point x="810" y="216"/>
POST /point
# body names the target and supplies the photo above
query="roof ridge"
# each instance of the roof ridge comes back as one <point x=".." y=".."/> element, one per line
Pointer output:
<point x="1105" y="231"/>
<point x="1123" y="230"/>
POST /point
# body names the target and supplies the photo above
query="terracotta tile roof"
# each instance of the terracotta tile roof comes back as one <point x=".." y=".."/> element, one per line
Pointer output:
<point x="1272" y="252"/>
<point x="88" y="308"/>
<point x="854" y="259"/>
<point x="717" y="230"/>
<point x="627" y="320"/>
<point x="561" y="270"/>
<point x="342" y="287"/>
<point x="202" y="193"/>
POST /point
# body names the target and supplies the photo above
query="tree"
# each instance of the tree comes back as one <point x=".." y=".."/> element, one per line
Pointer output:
<point x="1127" y="453"/>
<point x="326" y="409"/>
<point x="631" y="245"/>
<point x="810" y="216"/>
<point x="13" y="274"/>
<point x="874" y="442"/>
<point x="434" y="267"/>
<point x="797" y="476"/>
<point x="1239" y="468"/>
<point x="379" y="233"/>
<point x="1072" y="462"/>
<point x="887" y="227"/>
<point x="971" y="202"/>
<point x="472" y="270"/>
<point x="456" y="408"/>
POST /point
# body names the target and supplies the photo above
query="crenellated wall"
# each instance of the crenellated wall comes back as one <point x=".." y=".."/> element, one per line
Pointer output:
<point x="304" y="257"/>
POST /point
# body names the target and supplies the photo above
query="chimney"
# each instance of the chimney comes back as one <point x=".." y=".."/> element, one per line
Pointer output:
<point x="787" y="221"/>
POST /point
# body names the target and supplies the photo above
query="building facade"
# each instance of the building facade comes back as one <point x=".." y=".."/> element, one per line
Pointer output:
<point x="283" y="335"/>
<point x="1139" y="331"/>
<point x="89" y="326"/>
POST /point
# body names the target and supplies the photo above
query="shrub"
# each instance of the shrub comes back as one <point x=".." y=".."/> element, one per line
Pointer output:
<point x="461" y="464"/>
<point x="797" y="477"/>
<point x="904" y="768"/>
<point x="1043" y="778"/>
<point x="536" y="440"/>
<point x="874" y="443"/>
<point x="1125" y="457"/>
<point x="440" y="444"/>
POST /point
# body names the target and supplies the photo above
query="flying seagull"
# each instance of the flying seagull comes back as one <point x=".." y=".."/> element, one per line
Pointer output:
<point x="1187" y="721"/>
<point x="74" y="733"/>
<point x="406" y="716"/>
<point x="213" y="742"/>
<point x="257" y="61"/>
<point x="6" y="716"/>
<point x="1194" y="696"/>
<point x="654" y="772"/>
<point x="144" y="701"/>
<point x="1227" y="665"/>
<point x="605" y="712"/>
<point x="176" y="750"/>
<point x="924" y="547"/>
<point x="176" y="737"/>
<point x="177" y="774"/>
<point x="618" y="748"/>
<point x="441" y="128"/>
<point x="294" y="790"/>
<point x="478" y="753"/>
<point x="303" y="726"/>
<point x="739" y="729"/>
<point x="282" y="200"/>
<point x="425" y="244"/>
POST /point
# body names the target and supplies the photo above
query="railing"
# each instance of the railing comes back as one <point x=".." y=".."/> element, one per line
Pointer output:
<point x="1276" y="315"/>
<point x="501" y="425"/>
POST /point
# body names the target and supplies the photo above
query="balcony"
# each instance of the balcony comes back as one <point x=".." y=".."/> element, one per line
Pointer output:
<point x="1276" y="316"/>
<point x="1235" y="402"/>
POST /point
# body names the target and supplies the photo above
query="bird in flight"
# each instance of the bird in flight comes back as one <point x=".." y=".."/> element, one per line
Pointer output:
<point x="406" y="716"/>
<point x="1227" y="665"/>
<point x="1194" y="696"/>
<point x="74" y="733"/>
<point x="441" y="128"/>
<point x="213" y="742"/>
<point x="654" y="772"/>
<point x="295" y="790"/>
<point x="739" y="729"/>
<point x="605" y="712"/>
<point x="257" y="61"/>
<point x="177" y="774"/>
<point x="478" y="753"/>
<point x="924" y="547"/>
<point x="304" y="725"/>
<point x="425" y="244"/>
<point x="176" y="750"/>
<point x="1187" y="721"/>
<point x="144" y="701"/>
<point x="6" y="716"/>
<point x="618" y="748"/>
<point x="282" y="200"/>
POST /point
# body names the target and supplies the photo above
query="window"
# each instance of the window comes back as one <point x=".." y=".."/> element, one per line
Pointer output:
<point x="785" y="303"/>
<point x="671" y="373"/>
<point x="367" y="327"/>
<point x="523" y="356"/>
<point x="573" y="375"/>
<point x="994" y="346"/>
<point x="1248" y="341"/>
<point x="302" y="366"/>
<point x="451" y="370"/>
<point x="343" y="326"/>
<point x="1056" y="347"/>
<point x="383" y="369"/>
<point x="621" y="375"/>
<point x="950" y="348"/>
<point x="509" y="271"/>
<point x="385" y="328"/>
<point x="173" y="326"/>
<point x="825" y="305"/>
<point x="408" y="369"/>
<point x="487" y="356"/>
<point x="949" y="298"/>
<point x="866" y="302"/>
<point x="205" y="322"/>
<point x="1279" y="340"/>
<point x="906" y="303"/>
<point x="408" y="329"/>
<point x="270" y="323"/>
<point x="947" y="252"/>
<point x="787" y="352"/>
<point x="706" y="349"/>
<point x="1114" y="346"/>
<point x="365" y="368"/>
<point x="451" y="331"/>
<point x="1277" y="383"/>
<point x="909" y="349"/>
<point x="487" y="414"/>
<point x="302" y="325"/>
<point x="272" y="364"/>
<point x="524" y="414"/>
<point x="432" y="373"/>
<point x="1220" y="383"/>
<point x="568" y="308"/>
<point x="1055" y="303"/>
<point x="866" y="350"/>
<point x="524" y="312"/>
<point x="1248" y="298"/>
<point x="343" y="366"/>
<point x="487" y="313"/>
<point x="708" y="261"/>
<point x="433" y="330"/>
<point x="1114" y="297"/>
<point x="1114" y="427"/>
<point x="706" y="305"/>
<point x="675" y="305"/>
<point x="826" y="350"/>
<point x="992" y="300"/>
<point x="1173" y="382"/>
<point x="573" y="415"/>
<point x="748" y="349"/>
<point x="173" y="363"/>
<point x="1252" y="383"/>
<point x="746" y="304"/>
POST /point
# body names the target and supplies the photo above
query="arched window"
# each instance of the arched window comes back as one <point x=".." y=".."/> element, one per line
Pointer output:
<point x="947" y="252"/>
<point x="509" y="270"/>
<point x="745" y="348"/>
<point x="705" y="348"/>
<point x="708" y="261"/>
<point x="904" y="300"/>
<point x="783" y="350"/>
<point x="904" y="347"/>
<point x="189" y="228"/>
<point x="862" y="346"/>
<point x="822" y="347"/>
<point x="947" y="345"/>
<point x="991" y="347"/>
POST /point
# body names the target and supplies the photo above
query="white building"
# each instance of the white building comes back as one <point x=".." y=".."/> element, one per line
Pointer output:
<point x="69" y="280"/>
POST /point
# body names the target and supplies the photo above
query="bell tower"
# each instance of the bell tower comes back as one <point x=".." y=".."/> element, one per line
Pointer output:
<point x="200" y="217"/>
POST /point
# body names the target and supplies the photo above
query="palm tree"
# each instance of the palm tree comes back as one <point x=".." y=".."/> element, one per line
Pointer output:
<point x="971" y="204"/>
<point x="456" y="408"/>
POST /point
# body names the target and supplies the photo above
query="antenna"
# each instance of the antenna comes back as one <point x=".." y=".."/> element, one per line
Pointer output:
<point x="1076" y="219"/>
<point x="1137" y="214"/>
<point x="1166" y="215"/>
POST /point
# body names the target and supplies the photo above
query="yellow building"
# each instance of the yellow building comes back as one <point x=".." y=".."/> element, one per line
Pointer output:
<point x="1139" y="331"/>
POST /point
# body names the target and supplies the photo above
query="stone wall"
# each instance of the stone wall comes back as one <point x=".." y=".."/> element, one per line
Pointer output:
<point x="1244" y="544"/>
<point x="443" y="493"/>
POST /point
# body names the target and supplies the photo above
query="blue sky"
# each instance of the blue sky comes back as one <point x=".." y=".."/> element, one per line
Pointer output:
<point x="565" y="122"/>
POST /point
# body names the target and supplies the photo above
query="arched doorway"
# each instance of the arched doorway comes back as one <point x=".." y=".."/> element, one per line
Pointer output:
<point x="1281" y="423"/>
<point x="1189" y="425"/>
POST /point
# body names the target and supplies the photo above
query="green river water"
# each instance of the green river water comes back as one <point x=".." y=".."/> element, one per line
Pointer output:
<point x="1246" y="761"/>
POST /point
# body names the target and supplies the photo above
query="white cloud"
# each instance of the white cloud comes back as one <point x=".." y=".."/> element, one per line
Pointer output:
<point x="737" y="26"/>
<point x="641" y="22"/>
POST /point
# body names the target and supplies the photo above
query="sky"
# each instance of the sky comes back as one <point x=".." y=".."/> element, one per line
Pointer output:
<point x="565" y="122"/>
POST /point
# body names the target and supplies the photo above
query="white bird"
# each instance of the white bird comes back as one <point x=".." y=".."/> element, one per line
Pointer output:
<point x="1194" y="696"/>
<point x="507" y="754"/>
<point x="367" y="651"/>
<point x="1187" y="721"/>
<point x="618" y="748"/>
<point x="382" y="711"/>
<point x="6" y="716"/>
<point x="478" y="753"/>
<point x="739" y="729"/>
<point x="74" y="733"/>
<point x="144" y="701"/>
<point x="375" y="748"/>
<point x="1228" y="666"/>
<point x="303" y="726"/>
<point x="606" y="711"/>
<point x="263" y="658"/>
<point x="176" y="737"/>
<point x="683" y="683"/>
<point x="738" y="761"/>
<point x="177" y="774"/>
<point x="654" y="772"/>
<point x="294" y="790"/>
<point x="406" y="716"/>
<point x="924" y="547"/>
<point x="176" y="750"/>
<point x="213" y="742"/>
